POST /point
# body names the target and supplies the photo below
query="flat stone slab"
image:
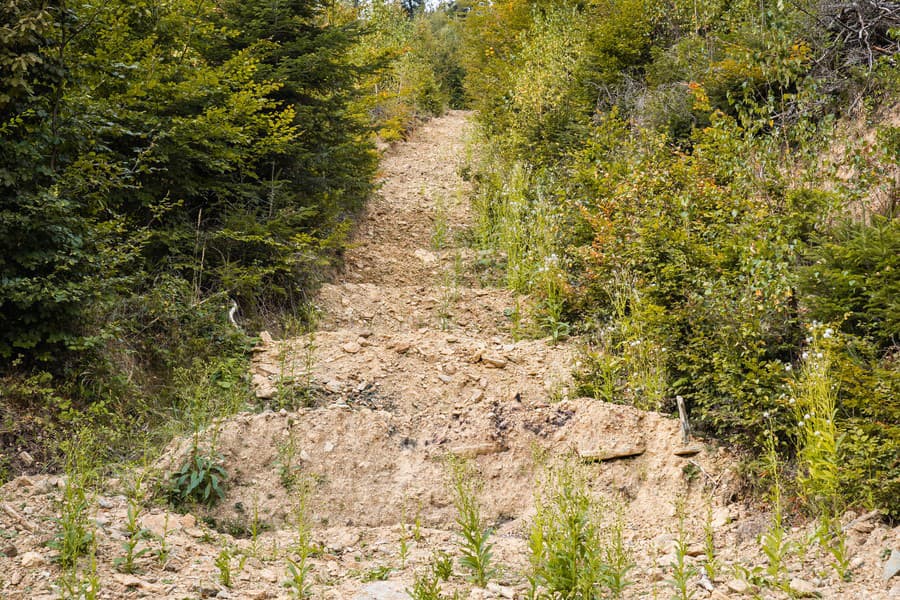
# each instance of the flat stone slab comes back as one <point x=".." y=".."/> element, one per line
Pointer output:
<point x="621" y="451"/>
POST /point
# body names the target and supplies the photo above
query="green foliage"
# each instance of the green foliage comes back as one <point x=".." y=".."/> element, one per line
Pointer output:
<point x="426" y="585"/>
<point x="162" y="161"/>
<point x="201" y="479"/>
<point x="474" y="543"/>
<point x="852" y="279"/>
<point x="565" y="541"/>
<point x="126" y="563"/>
<point x="697" y="170"/>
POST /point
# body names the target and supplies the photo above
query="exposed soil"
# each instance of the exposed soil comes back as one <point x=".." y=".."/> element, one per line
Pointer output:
<point x="413" y="361"/>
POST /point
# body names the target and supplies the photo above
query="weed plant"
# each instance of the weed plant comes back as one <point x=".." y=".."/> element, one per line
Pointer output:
<point x="298" y="569"/>
<point x="774" y="542"/>
<point x="201" y="479"/>
<point x="76" y="537"/>
<point x="443" y="565"/>
<point x="440" y="228"/>
<point x="815" y="393"/>
<point x="682" y="571"/>
<point x="426" y="585"/>
<point x="711" y="562"/>
<point x="618" y="559"/>
<point x="474" y="538"/>
<point x="223" y="564"/>
<point x="126" y="563"/>
<point x="164" y="551"/>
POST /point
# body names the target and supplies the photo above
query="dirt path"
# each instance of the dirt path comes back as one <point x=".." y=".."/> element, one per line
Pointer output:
<point x="413" y="361"/>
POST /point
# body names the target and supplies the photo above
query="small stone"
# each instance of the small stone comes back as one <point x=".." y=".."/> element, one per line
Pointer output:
<point x="334" y="386"/>
<point x="188" y="521"/>
<point x="268" y="575"/>
<point x="10" y="551"/>
<point x="449" y="369"/>
<point x="195" y="532"/>
<point x="664" y="542"/>
<point x="158" y="524"/>
<point x="802" y="588"/>
<point x="366" y="333"/>
<point x="130" y="581"/>
<point x="738" y="586"/>
<point x="351" y="347"/>
<point x="32" y="559"/>
<point x="328" y="447"/>
<point x="493" y="361"/>
<point x="445" y="378"/>
<point x="863" y="527"/>
<point x="499" y="590"/>
<point x="705" y="583"/>
<point x="22" y="481"/>
<point x="721" y="517"/>
<point x="402" y="347"/>
<point x="479" y="594"/>
<point x="477" y="396"/>
<point x="695" y="550"/>
<point x="425" y="256"/>
<point x="382" y="590"/>
<point x="473" y="450"/>
<point x="892" y="566"/>
<point x="25" y="458"/>
<point x="105" y="503"/>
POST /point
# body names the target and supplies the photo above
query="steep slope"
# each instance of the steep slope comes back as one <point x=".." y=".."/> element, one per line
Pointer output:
<point x="415" y="361"/>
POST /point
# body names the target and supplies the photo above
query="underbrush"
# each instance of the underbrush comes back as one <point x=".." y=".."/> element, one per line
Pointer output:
<point x="694" y="207"/>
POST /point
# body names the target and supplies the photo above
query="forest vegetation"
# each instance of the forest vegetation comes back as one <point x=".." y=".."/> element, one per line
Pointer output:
<point x="704" y="192"/>
<point x="163" y="164"/>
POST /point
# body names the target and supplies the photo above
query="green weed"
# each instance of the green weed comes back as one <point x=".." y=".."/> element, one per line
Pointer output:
<point x="298" y="569"/>
<point x="682" y="571"/>
<point x="200" y="479"/>
<point x="474" y="538"/>
<point x="565" y="541"/>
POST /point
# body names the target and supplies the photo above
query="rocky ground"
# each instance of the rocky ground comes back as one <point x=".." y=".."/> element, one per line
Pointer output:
<point x="415" y="359"/>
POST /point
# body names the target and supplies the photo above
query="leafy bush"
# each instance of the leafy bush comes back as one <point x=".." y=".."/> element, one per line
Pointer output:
<point x="201" y="479"/>
<point x="696" y="175"/>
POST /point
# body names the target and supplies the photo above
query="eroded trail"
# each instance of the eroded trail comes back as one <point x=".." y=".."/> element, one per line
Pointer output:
<point x="413" y="360"/>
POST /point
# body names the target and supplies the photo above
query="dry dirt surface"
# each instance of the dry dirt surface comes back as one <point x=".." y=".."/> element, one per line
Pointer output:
<point x="413" y="361"/>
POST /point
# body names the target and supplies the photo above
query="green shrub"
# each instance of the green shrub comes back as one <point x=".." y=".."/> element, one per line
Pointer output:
<point x="852" y="279"/>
